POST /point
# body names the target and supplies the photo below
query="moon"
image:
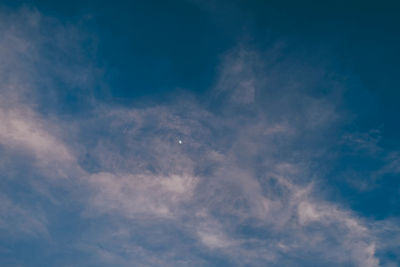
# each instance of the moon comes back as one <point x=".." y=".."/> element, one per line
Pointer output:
<point x="180" y="142"/>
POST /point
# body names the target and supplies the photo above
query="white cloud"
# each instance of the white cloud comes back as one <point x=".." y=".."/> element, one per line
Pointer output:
<point x="130" y="195"/>
<point x="23" y="130"/>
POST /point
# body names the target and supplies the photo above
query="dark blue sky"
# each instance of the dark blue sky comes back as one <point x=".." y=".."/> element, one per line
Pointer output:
<point x="357" y="38"/>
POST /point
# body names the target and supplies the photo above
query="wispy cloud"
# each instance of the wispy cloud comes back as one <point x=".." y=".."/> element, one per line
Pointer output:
<point x="241" y="188"/>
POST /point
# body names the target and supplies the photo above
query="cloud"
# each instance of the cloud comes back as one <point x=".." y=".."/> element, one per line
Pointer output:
<point x="17" y="220"/>
<point x="242" y="189"/>
<point x="237" y="77"/>
<point x="231" y="173"/>
<point x="140" y="194"/>
<point x="22" y="129"/>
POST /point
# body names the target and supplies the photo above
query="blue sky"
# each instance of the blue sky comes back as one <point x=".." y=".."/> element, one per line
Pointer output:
<point x="199" y="133"/>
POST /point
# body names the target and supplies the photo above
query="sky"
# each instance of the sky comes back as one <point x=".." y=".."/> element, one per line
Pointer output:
<point x="199" y="133"/>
